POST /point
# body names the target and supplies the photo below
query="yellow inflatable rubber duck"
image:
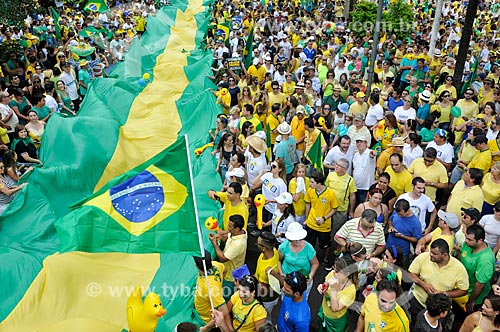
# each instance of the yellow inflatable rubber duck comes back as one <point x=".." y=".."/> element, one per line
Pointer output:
<point x="143" y="316"/>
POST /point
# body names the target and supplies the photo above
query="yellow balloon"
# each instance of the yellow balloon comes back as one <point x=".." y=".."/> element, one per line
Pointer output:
<point x="146" y="76"/>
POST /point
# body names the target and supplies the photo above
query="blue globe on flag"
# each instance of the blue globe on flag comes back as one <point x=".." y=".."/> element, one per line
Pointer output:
<point x="93" y="7"/>
<point x="138" y="199"/>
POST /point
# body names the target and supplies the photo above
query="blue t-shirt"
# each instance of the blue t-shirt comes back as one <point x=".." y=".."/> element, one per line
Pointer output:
<point x="392" y="104"/>
<point x="286" y="150"/>
<point x="408" y="226"/>
<point x="294" y="316"/>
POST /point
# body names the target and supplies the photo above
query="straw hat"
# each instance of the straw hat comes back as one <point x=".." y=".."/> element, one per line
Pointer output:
<point x="257" y="143"/>
<point x="397" y="141"/>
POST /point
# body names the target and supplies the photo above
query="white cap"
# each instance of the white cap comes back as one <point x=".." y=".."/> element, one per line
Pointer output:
<point x="284" y="198"/>
<point x="238" y="172"/>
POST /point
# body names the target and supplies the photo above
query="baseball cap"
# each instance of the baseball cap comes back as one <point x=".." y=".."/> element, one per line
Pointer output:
<point x="449" y="218"/>
<point x="360" y="117"/>
<point x="472" y="212"/>
<point x="360" y="94"/>
<point x="284" y="198"/>
<point x="237" y="172"/>
<point x="441" y="132"/>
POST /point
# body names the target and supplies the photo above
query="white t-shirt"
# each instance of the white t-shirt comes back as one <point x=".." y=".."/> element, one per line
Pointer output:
<point x="363" y="170"/>
<point x="272" y="188"/>
<point x="51" y="103"/>
<point x="374" y="115"/>
<point x="282" y="226"/>
<point x="410" y="155"/>
<point x="254" y="165"/>
<point x="492" y="229"/>
<point x="70" y="83"/>
<point x="403" y="115"/>
<point x="5" y="110"/>
<point x="335" y="154"/>
<point x="444" y="152"/>
<point x="419" y="206"/>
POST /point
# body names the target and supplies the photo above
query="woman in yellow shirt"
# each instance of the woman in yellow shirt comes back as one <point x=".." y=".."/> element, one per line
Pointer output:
<point x="298" y="187"/>
<point x="248" y="313"/>
<point x="491" y="188"/>
<point x="268" y="260"/>
<point x="443" y="106"/>
<point x="386" y="129"/>
<point x="339" y="290"/>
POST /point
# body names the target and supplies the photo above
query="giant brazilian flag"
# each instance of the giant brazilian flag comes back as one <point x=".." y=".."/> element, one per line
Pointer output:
<point x="112" y="206"/>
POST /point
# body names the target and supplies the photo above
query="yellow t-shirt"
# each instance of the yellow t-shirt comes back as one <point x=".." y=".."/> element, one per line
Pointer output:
<point x="273" y="123"/>
<point x="356" y="108"/>
<point x="400" y="182"/>
<point x="235" y="250"/>
<point x="469" y="109"/>
<point x="263" y="264"/>
<point x="3" y="135"/>
<point x="342" y="187"/>
<point x="259" y="73"/>
<point x="494" y="148"/>
<point x="438" y="234"/>
<point x="280" y="98"/>
<point x="345" y="296"/>
<point x="452" y="90"/>
<point x="464" y="197"/>
<point x="434" y="173"/>
<point x="490" y="189"/>
<point x="392" y="321"/>
<point x="481" y="160"/>
<point x="434" y="67"/>
<point x="459" y="135"/>
<point x="201" y="300"/>
<point x="289" y="88"/>
<point x="230" y="210"/>
<point x="320" y="206"/>
<point x="449" y="277"/>
<point x="240" y="310"/>
<point x="300" y="205"/>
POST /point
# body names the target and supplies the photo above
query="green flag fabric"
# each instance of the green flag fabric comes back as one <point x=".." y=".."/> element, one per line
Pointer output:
<point x="96" y="6"/>
<point x="126" y="143"/>
<point x="315" y="155"/>
<point x="57" y="24"/>
<point x="248" y="52"/>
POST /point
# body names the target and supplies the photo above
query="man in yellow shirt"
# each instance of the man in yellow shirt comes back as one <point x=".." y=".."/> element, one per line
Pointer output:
<point x="344" y="188"/>
<point x="276" y="97"/>
<point x="234" y="252"/>
<point x="467" y="193"/>
<point x="436" y="271"/>
<point x="215" y="272"/>
<point x="257" y="70"/>
<point x="321" y="205"/>
<point x="431" y="170"/>
<point x="380" y="312"/>
<point x="359" y="106"/>
<point x="232" y="203"/>
<point x="273" y="121"/>
<point x="482" y="158"/>
<point x="400" y="177"/>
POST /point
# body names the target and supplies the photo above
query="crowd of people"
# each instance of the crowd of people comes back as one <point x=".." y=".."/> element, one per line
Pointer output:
<point x="50" y="75"/>
<point x="393" y="191"/>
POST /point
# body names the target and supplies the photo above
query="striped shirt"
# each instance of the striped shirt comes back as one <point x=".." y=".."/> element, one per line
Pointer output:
<point x="351" y="232"/>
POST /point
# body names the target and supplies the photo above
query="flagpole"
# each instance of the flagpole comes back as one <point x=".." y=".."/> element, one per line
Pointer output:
<point x="200" y="240"/>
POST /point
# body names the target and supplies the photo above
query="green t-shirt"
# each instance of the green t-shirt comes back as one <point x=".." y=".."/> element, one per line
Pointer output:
<point x="42" y="112"/>
<point x="480" y="267"/>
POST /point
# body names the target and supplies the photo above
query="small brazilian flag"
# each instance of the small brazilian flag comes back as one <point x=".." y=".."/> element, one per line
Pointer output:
<point x="96" y="6"/>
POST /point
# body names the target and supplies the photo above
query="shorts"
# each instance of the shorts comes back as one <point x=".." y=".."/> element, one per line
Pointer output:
<point x="323" y="238"/>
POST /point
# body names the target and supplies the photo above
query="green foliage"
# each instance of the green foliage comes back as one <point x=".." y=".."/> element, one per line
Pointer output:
<point x="13" y="12"/>
<point x="398" y="19"/>
<point x="363" y="16"/>
<point x="401" y="17"/>
<point x="8" y="46"/>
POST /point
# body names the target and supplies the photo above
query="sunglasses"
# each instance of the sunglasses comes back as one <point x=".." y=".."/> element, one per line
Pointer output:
<point x="274" y="166"/>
